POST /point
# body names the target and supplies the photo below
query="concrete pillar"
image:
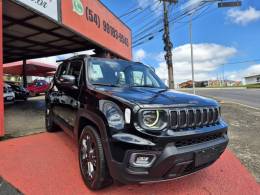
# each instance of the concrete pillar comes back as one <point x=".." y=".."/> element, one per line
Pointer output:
<point x="1" y="72"/>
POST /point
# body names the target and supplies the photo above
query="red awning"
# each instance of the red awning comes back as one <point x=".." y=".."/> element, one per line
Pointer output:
<point x="32" y="68"/>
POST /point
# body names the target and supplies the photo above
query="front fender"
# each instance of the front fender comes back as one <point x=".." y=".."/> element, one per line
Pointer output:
<point x="102" y="127"/>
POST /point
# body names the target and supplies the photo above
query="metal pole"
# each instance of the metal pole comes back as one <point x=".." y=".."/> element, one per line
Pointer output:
<point x="224" y="75"/>
<point x="191" y="52"/>
<point x="24" y="74"/>
<point x="168" y="47"/>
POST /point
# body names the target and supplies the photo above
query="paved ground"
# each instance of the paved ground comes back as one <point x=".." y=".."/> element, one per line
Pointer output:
<point x="244" y="127"/>
<point x="25" y="117"/>
<point x="244" y="123"/>
<point x="244" y="134"/>
<point x="27" y="163"/>
<point x="250" y="97"/>
<point x="7" y="189"/>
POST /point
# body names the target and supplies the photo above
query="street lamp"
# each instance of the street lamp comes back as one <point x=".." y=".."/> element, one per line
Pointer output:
<point x="191" y="52"/>
<point x="220" y="5"/>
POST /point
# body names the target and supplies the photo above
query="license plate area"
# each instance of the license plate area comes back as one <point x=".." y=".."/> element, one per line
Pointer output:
<point x="206" y="156"/>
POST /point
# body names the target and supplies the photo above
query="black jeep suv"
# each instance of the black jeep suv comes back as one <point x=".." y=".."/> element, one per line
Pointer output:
<point x="128" y="125"/>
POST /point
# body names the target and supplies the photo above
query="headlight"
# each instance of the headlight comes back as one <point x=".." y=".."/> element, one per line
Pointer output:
<point x="150" y="118"/>
<point x="154" y="119"/>
<point x="113" y="114"/>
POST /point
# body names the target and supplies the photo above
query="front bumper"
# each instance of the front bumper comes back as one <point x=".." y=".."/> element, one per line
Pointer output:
<point x="171" y="162"/>
<point x="8" y="99"/>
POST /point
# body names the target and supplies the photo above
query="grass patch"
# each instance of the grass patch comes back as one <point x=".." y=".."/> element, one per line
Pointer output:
<point x="253" y="86"/>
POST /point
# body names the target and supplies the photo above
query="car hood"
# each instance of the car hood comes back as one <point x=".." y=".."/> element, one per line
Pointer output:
<point x="153" y="96"/>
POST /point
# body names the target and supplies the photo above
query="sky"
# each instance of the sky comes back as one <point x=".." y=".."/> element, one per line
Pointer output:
<point x="221" y="37"/>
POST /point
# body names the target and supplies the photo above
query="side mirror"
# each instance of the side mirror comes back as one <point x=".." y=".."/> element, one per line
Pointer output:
<point x="68" y="81"/>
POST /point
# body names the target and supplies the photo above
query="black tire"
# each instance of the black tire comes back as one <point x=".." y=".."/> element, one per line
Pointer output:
<point x="49" y="122"/>
<point x="91" y="152"/>
<point x="32" y="94"/>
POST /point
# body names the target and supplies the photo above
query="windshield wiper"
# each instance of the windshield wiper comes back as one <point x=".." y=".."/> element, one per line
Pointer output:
<point x="151" y="86"/>
<point x="105" y="84"/>
<point x="161" y="91"/>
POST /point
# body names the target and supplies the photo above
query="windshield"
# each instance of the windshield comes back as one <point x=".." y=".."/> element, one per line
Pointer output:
<point x="121" y="73"/>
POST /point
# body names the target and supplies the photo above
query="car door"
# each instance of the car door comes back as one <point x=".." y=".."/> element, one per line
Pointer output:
<point x="56" y="93"/>
<point x="67" y="99"/>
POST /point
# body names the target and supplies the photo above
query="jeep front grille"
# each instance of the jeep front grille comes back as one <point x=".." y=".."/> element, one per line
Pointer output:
<point x="188" y="118"/>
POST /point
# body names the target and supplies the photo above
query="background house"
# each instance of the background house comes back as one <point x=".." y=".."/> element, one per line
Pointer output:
<point x="254" y="79"/>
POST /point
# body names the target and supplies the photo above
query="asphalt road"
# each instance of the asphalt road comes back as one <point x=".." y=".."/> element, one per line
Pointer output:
<point x="249" y="97"/>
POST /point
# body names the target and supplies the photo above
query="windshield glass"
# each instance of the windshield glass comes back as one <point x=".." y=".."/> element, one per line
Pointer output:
<point x="121" y="73"/>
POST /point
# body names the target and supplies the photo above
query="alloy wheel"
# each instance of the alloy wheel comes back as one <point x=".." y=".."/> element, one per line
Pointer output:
<point x="88" y="157"/>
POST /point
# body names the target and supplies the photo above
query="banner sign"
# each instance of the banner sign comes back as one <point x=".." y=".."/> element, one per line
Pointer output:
<point x="46" y="7"/>
<point x="94" y="21"/>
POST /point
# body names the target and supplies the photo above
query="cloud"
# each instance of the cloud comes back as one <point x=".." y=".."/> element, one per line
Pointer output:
<point x="52" y="60"/>
<point x="252" y="70"/>
<point x="47" y="60"/>
<point x="207" y="58"/>
<point x="243" y="17"/>
<point x="139" y="55"/>
<point x="69" y="55"/>
<point x="191" y="4"/>
<point x="240" y="74"/>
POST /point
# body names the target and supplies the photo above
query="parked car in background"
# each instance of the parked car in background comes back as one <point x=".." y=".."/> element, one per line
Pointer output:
<point x="9" y="95"/>
<point x="20" y="92"/>
<point x="128" y="125"/>
<point x="38" y="87"/>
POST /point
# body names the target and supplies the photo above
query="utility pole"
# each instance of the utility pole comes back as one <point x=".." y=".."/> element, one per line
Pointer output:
<point x="168" y="44"/>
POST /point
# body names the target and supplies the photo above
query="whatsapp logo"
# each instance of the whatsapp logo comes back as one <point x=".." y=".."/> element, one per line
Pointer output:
<point x="78" y="7"/>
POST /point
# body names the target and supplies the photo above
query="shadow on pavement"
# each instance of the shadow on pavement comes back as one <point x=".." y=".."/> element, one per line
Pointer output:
<point x="24" y="117"/>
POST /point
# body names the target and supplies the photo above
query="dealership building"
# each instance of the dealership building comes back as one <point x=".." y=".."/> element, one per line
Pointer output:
<point x="35" y="29"/>
<point x="254" y="79"/>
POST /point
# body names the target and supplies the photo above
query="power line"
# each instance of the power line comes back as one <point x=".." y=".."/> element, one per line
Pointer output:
<point x="146" y="17"/>
<point x="137" y="14"/>
<point x="137" y="42"/>
<point x="129" y="9"/>
<point x="158" y="31"/>
<point x="155" y="23"/>
<point x="150" y="26"/>
<point x="152" y="19"/>
<point x="241" y="62"/>
<point x="130" y="12"/>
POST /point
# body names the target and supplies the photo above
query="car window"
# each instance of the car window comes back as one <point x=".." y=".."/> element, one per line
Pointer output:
<point x="121" y="78"/>
<point x="75" y="69"/>
<point x="63" y="69"/>
<point x="143" y="78"/>
<point x="122" y="73"/>
<point x="95" y="72"/>
<point x="138" y="78"/>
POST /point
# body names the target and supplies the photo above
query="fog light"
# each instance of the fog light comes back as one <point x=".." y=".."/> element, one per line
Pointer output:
<point x="142" y="160"/>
